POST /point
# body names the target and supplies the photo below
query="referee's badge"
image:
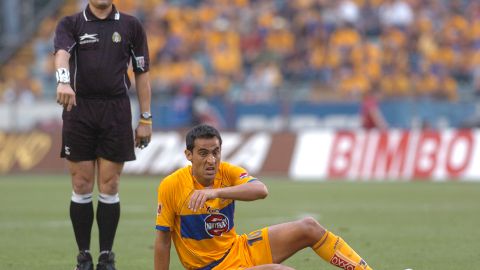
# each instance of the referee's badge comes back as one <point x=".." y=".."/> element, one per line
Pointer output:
<point x="140" y="61"/>
<point x="116" y="38"/>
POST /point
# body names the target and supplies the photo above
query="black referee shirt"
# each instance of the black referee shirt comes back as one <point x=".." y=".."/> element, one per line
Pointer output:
<point x="100" y="51"/>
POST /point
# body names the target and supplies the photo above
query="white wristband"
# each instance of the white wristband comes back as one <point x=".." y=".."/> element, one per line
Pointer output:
<point x="63" y="75"/>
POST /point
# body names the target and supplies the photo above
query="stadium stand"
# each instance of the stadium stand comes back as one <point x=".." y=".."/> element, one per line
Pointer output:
<point x="254" y="51"/>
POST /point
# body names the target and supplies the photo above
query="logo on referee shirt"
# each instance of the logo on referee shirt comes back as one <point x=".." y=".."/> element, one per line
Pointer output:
<point x="140" y="62"/>
<point x="216" y="224"/>
<point x="116" y="38"/>
<point x="67" y="150"/>
<point x="88" y="38"/>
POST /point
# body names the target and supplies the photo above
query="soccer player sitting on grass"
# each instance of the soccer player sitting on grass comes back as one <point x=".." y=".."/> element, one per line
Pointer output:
<point x="196" y="207"/>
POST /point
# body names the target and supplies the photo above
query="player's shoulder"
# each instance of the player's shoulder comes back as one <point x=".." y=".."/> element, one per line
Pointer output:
<point x="225" y="165"/>
<point x="175" y="179"/>
<point x="229" y="171"/>
<point x="228" y="167"/>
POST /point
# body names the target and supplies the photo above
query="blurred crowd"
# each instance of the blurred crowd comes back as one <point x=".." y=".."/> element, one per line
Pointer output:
<point x="262" y="50"/>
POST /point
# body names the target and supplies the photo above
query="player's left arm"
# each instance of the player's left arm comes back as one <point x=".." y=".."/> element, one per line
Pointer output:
<point x="250" y="191"/>
<point x="143" y="132"/>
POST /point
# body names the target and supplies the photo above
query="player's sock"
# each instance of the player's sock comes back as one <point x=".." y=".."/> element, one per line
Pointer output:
<point x="81" y="215"/>
<point x="336" y="251"/>
<point x="108" y="215"/>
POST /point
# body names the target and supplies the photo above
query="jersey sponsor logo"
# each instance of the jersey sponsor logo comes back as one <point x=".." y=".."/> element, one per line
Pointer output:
<point x="209" y="225"/>
<point x="116" y="38"/>
<point x="89" y="38"/>
<point x="341" y="262"/>
<point x="216" y="224"/>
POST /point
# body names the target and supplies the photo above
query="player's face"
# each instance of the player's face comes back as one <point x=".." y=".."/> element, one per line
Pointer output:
<point x="205" y="158"/>
<point x="100" y="4"/>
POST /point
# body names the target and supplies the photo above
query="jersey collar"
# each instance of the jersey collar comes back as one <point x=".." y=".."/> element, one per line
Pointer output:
<point x="89" y="16"/>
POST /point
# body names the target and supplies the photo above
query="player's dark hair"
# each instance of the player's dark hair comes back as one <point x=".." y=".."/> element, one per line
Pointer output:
<point x="201" y="131"/>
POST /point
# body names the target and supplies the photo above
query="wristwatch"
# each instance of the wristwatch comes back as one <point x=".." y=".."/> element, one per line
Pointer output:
<point x="146" y="115"/>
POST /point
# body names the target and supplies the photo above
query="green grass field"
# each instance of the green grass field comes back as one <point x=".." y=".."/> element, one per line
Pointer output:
<point x="392" y="225"/>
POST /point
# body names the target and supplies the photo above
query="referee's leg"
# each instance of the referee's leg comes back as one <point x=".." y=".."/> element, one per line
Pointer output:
<point x="81" y="208"/>
<point x="108" y="209"/>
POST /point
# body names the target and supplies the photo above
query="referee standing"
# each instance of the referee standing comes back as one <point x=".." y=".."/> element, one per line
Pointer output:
<point x="93" y="49"/>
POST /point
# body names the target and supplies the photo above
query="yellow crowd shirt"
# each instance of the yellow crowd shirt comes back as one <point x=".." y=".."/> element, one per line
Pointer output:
<point x="204" y="237"/>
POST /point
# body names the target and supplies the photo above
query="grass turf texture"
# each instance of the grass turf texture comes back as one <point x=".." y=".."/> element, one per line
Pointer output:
<point x="392" y="225"/>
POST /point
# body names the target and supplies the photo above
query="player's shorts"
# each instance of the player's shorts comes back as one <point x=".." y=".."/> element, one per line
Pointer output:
<point x="247" y="251"/>
<point x="98" y="128"/>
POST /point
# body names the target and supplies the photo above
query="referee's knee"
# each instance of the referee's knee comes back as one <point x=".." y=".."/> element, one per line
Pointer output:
<point x="82" y="184"/>
<point x="109" y="185"/>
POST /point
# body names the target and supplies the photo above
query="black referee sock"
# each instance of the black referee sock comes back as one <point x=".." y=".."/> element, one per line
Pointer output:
<point x="81" y="215"/>
<point x="108" y="215"/>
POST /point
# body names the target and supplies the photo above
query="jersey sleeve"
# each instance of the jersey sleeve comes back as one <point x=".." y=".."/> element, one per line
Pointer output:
<point x="165" y="208"/>
<point x="238" y="175"/>
<point x="139" y="48"/>
<point x="64" y="35"/>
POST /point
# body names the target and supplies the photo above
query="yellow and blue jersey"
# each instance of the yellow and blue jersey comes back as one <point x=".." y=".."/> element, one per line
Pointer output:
<point x="203" y="238"/>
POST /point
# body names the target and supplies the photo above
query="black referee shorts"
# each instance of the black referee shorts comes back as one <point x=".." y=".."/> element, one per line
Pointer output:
<point x="98" y="128"/>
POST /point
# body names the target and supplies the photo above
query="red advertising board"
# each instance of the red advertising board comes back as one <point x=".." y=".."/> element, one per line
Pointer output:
<point x="452" y="154"/>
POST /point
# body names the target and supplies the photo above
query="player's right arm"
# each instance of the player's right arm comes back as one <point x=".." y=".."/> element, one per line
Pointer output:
<point x="164" y="223"/>
<point x="163" y="242"/>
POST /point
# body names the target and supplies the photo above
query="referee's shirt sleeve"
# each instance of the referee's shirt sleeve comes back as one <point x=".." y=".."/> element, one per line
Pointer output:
<point x="64" y="35"/>
<point x="139" y="48"/>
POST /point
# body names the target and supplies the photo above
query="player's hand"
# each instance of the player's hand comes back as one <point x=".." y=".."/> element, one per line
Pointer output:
<point x="143" y="135"/>
<point x="66" y="96"/>
<point x="199" y="197"/>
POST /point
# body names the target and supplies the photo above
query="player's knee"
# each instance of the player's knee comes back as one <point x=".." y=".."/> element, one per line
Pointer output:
<point x="311" y="228"/>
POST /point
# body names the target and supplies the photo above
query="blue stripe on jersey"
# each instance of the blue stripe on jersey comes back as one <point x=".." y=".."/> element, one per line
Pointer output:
<point x="193" y="226"/>
<point x="162" y="228"/>
<point x="251" y="180"/>
<point x="211" y="265"/>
